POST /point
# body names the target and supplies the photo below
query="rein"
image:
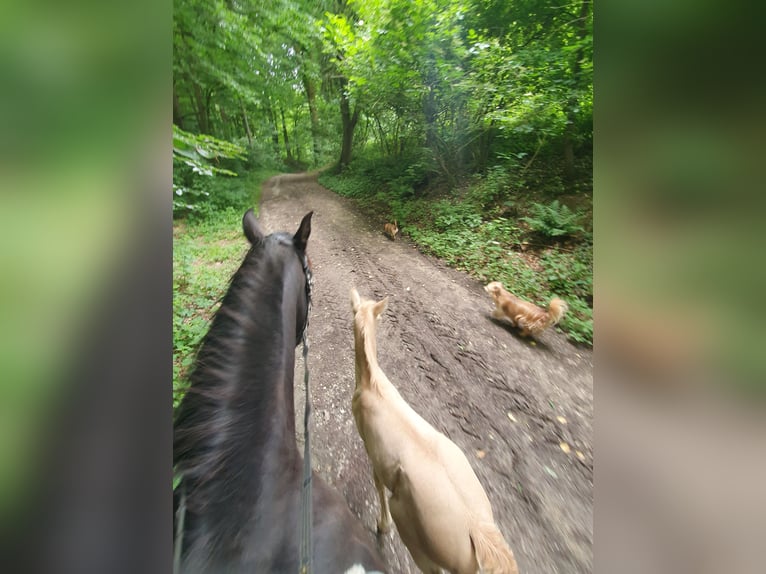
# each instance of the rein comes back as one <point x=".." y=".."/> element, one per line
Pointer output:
<point x="307" y="515"/>
<point x="180" y="518"/>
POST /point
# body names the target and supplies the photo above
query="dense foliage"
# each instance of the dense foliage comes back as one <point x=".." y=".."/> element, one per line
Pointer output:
<point x="538" y="250"/>
<point x="468" y="120"/>
<point x="455" y="86"/>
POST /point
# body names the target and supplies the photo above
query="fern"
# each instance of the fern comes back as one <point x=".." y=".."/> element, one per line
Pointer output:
<point x="554" y="220"/>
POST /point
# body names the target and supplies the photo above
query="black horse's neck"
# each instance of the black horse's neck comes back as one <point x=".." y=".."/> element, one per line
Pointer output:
<point x="235" y="432"/>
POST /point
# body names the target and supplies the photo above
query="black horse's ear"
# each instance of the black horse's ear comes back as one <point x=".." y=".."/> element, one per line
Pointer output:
<point x="301" y="236"/>
<point x="252" y="229"/>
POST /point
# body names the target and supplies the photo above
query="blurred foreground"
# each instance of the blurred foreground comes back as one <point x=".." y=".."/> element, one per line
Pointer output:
<point x="85" y="346"/>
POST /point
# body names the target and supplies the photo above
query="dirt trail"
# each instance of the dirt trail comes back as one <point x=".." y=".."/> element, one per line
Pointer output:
<point x="472" y="378"/>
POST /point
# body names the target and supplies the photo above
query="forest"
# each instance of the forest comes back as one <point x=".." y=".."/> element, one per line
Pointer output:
<point x="469" y="122"/>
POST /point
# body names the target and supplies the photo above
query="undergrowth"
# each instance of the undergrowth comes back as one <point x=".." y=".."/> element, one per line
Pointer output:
<point x="199" y="198"/>
<point x="208" y="246"/>
<point x="495" y="229"/>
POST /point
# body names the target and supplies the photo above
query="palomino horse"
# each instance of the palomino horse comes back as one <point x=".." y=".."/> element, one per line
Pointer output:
<point x="440" y="509"/>
<point x="234" y="435"/>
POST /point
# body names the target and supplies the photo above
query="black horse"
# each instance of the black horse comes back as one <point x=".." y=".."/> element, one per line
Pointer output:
<point x="234" y="434"/>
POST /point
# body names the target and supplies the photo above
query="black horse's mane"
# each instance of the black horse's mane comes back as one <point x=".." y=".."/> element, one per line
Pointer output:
<point x="209" y="425"/>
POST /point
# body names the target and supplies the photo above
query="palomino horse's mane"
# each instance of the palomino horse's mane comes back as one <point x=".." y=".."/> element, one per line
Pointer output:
<point x="209" y="427"/>
<point x="366" y="324"/>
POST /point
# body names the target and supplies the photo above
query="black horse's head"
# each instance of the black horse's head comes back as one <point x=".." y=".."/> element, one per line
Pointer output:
<point x="234" y="433"/>
<point x="293" y="247"/>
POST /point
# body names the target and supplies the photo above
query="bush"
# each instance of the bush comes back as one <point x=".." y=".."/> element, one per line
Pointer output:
<point x="493" y="187"/>
<point x="472" y="235"/>
<point x="347" y="185"/>
<point x="207" y="196"/>
<point x="567" y="274"/>
<point x="450" y="216"/>
<point x="578" y="322"/>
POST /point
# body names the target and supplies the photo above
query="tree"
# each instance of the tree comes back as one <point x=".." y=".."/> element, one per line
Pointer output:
<point x="455" y="86"/>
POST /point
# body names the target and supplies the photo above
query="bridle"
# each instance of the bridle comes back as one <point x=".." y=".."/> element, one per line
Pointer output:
<point x="307" y="514"/>
<point x="307" y="517"/>
<point x="309" y="287"/>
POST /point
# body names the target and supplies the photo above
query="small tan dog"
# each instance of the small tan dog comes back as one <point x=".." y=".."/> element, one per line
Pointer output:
<point x="391" y="229"/>
<point x="531" y="319"/>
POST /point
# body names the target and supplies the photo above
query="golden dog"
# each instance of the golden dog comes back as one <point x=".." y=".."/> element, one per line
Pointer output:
<point x="531" y="319"/>
<point x="391" y="229"/>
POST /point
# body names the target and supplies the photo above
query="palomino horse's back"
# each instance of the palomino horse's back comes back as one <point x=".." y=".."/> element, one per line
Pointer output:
<point x="441" y="511"/>
<point x="441" y="504"/>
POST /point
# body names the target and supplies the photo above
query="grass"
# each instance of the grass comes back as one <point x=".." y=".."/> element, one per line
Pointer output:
<point x="208" y="247"/>
<point x="495" y="231"/>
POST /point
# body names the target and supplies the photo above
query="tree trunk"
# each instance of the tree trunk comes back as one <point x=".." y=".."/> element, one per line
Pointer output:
<point x="430" y="108"/>
<point x="296" y="142"/>
<point x="382" y="136"/>
<point x="349" y="123"/>
<point x="311" y="97"/>
<point x="247" y="124"/>
<point x="203" y="120"/>
<point x="285" y="138"/>
<point x="430" y="112"/>
<point x="485" y="144"/>
<point x="226" y="128"/>
<point x="569" y="131"/>
<point x="569" y="169"/>
<point x="274" y="129"/>
<point x="178" y="118"/>
<point x="462" y="129"/>
<point x="208" y="105"/>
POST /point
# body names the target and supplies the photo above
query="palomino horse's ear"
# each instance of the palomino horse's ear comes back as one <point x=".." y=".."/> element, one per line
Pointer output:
<point x="380" y="306"/>
<point x="301" y="236"/>
<point x="356" y="301"/>
<point x="252" y="229"/>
